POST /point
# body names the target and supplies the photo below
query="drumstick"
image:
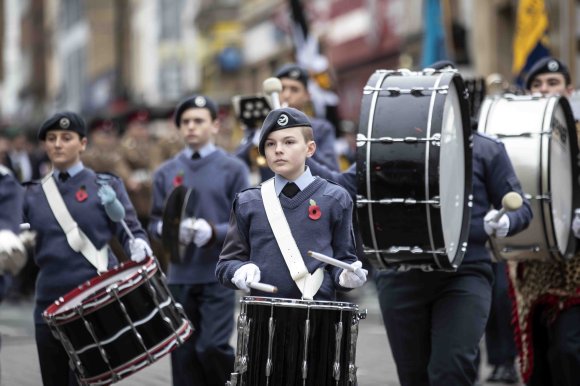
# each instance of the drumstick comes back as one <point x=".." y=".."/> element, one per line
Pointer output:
<point x="510" y="202"/>
<point x="262" y="287"/>
<point x="331" y="260"/>
<point x="273" y="88"/>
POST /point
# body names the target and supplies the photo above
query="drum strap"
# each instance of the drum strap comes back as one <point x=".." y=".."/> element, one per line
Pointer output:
<point x="77" y="240"/>
<point x="309" y="284"/>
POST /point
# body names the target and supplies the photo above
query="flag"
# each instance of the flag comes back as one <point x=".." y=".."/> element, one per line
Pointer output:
<point x="308" y="55"/>
<point x="531" y="37"/>
<point x="434" y="35"/>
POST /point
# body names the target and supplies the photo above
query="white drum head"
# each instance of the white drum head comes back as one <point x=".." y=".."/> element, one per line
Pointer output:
<point x="560" y="171"/>
<point x="452" y="173"/>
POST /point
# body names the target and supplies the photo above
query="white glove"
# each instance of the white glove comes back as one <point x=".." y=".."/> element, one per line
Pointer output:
<point x="349" y="279"/>
<point x="12" y="252"/>
<point x="186" y="231"/>
<point x="139" y="250"/>
<point x="498" y="229"/>
<point x="246" y="273"/>
<point x="202" y="232"/>
<point x="576" y="226"/>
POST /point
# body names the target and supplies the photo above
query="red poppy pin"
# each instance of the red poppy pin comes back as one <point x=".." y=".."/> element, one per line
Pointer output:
<point x="178" y="180"/>
<point x="81" y="194"/>
<point x="314" y="210"/>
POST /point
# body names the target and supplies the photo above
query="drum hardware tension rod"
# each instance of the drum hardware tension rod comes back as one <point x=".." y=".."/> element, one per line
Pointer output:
<point x="102" y="352"/>
<point x="361" y="139"/>
<point x="389" y="201"/>
<point x="415" y="91"/>
<point x="305" y="351"/>
<point x="271" y="330"/>
<point x="540" y="197"/>
<point x="398" y="249"/>
<point x="530" y="248"/>
<point x="338" y="342"/>
<point x="422" y="267"/>
<point x="114" y="289"/>
<point x="526" y="134"/>
<point x="160" y="309"/>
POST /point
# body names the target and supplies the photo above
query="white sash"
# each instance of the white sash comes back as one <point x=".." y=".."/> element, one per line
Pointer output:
<point x="309" y="284"/>
<point x="77" y="240"/>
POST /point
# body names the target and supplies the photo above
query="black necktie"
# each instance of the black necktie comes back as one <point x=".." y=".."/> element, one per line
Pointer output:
<point x="63" y="176"/>
<point x="195" y="156"/>
<point x="290" y="190"/>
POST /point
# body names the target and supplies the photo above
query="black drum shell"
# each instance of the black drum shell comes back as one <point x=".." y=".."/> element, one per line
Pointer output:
<point x="399" y="170"/>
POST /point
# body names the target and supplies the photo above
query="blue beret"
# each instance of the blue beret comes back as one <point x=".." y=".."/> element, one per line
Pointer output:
<point x="293" y="71"/>
<point x="547" y="65"/>
<point x="65" y="120"/>
<point x="195" y="102"/>
<point x="279" y="119"/>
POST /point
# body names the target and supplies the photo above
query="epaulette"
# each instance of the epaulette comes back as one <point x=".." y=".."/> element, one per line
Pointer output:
<point x="106" y="176"/>
<point x="488" y="136"/>
<point x="251" y="187"/>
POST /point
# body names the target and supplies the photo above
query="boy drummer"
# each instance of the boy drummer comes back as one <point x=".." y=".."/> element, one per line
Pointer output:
<point x="318" y="214"/>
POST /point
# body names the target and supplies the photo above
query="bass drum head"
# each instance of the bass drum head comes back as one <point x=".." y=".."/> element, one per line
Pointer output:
<point x="561" y="172"/>
<point x="540" y="139"/>
<point x="452" y="174"/>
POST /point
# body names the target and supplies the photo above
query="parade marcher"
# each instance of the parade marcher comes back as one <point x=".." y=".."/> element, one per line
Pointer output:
<point x="12" y="252"/>
<point x="295" y="94"/>
<point x="68" y="198"/>
<point x="547" y="294"/>
<point x="435" y="320"/>
<point x="141" y="153"/>
<point x="22" y="160"/>
<point x="103" y="154"/>
<point x="207" y="357"/>
<point x="318" y="215"/>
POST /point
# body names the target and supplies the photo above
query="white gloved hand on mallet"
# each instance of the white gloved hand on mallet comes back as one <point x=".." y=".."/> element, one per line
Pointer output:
<point x="496" y="222"/>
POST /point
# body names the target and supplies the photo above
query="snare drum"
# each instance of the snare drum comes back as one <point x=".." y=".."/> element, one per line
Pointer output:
<point x="414" y="169"/>
<point x="118" y="323"/>
<point x="540" y="138"/>
<point x="287" y="342"/>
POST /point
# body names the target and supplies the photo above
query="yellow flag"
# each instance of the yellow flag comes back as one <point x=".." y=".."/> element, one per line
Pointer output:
<point x="531" y="28"/>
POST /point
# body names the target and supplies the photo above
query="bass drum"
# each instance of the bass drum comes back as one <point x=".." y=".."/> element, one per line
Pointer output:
<point x="414" y="169"/>
<point x="540" y="138"/>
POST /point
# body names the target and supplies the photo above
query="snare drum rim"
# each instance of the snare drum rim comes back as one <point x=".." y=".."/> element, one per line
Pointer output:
<point x="56" y="314"/>
<point x="299" y="303"/>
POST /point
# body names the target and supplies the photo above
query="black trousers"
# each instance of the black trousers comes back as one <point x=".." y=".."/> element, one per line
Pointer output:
<point x="557" y="349"/>
<point x="434" y="322"/>
<point x="499" y="333"/>
<point x="206" y="358"/>
<point x="54" y="361"/>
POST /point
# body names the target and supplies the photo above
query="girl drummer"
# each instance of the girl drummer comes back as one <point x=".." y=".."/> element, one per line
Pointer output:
<point x="67" y="198"/>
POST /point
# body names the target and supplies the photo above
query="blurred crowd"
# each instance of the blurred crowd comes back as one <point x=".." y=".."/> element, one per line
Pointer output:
<point x="130" y="146"/>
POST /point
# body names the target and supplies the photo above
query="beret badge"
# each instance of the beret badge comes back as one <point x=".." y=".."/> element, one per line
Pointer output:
<point x="294" y="74"/>
<point x="283" y="120"/>
<point x="64" y="123"/>
<point x="553" y="65"/>
<point x="200" y="101"/>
